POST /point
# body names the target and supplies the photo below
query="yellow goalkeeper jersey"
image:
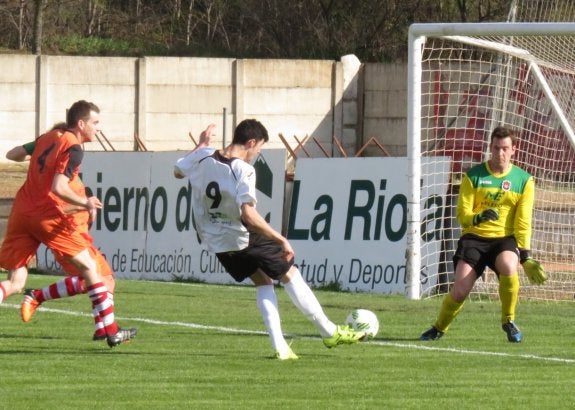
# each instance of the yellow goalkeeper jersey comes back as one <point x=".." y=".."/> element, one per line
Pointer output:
<point x="511" y="193"/>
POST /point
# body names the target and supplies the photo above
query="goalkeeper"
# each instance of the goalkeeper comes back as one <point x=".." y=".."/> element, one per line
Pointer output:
<point x="494" y="209"/>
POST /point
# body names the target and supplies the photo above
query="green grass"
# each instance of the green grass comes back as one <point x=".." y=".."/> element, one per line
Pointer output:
<point x="81" y="45"/>
<point x="203" y="346"/>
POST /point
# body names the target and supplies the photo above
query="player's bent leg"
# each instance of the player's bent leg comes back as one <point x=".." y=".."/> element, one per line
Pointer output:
<point x="514" y="335"/>
<point x="431" y="334"/>
<point x="15" y="282"/>
<point x="107" y="275"/>
<point x="508" y="294"/>
<point x="28" y="306"/>
<point x="121" y="336"/>
<point x="452" y="303"/>
<point x="87" y="267"/>
<point x="506" y="264"/>
<point x="305" y="300"/>
<point x="266" y="300"/>
<point x="69" y="286"/>
<point x="100" y="331"/>
<point x="449" y="310"/>
<point x="287" y="354"/>
<point x="98" y="294"/>
<point x="344" y="335"/>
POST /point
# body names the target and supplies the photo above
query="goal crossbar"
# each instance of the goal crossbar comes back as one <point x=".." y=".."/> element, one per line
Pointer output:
<point x="533" y="64"/>
<point x="491" y="29"/>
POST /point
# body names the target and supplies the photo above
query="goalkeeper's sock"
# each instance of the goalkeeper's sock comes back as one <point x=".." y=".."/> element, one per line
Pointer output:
<point x="268" y="305"/>
<point x="508" y="294"/>
<point x="449" y="309"/>
<point x="304" y="299"/>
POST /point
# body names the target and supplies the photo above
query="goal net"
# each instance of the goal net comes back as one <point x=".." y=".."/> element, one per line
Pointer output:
<point x="464" y="80"/>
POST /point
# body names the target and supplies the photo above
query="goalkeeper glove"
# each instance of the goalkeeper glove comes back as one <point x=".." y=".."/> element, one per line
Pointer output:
<point x="533" y="269"/>
<point x="487" y="215"/>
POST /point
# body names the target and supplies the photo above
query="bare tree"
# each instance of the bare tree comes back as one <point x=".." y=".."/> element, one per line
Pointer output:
<point x="95" y="9"/>
<point x="374" y="30"/>
<point x="190" y="26"/>
<point x="21" y="24"/>
<point x="38" y="26"/>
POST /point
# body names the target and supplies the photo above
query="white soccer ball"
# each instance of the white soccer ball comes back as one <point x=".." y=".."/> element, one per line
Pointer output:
<point x="363" y="320"/>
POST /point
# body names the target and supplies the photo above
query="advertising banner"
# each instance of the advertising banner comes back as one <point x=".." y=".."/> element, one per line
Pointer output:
<point x="348" y="221"/>
<point x="145" y="226"/>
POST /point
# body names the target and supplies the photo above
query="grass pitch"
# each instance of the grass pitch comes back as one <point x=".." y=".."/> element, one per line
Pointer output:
<point x="204" y="346"/>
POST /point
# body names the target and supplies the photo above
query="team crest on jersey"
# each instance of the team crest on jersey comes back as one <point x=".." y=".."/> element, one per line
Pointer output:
<point x="506" y="185"/>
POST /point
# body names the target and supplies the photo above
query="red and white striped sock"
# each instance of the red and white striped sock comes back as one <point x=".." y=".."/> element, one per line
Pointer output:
<point x="100" y="331"/>
<point x="104" y="306"/>
<point x="69" y="286"/>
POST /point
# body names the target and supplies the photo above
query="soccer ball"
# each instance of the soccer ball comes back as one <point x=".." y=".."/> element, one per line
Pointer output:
<point x="363" y="320"/>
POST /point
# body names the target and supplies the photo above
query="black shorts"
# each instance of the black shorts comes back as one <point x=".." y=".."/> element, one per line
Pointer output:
<point x="261" y="253"/>
<point x="481" y="252"/>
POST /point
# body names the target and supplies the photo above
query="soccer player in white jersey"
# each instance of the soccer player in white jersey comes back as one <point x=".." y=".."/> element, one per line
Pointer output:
<point x="228" y="224"/>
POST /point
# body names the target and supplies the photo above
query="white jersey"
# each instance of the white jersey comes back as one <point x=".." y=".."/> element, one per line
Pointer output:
<point x="219" y="187"/>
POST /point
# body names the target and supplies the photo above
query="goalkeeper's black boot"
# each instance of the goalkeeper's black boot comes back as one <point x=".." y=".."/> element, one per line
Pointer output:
<point x="514" y="335"/>
<point x="123" y="335"/>
<point x="431" y="334"/>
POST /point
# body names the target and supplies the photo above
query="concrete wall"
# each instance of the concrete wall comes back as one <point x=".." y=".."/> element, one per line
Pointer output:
<point x="17" y="100"/>
<point x="164" y="99"/>
<point x="108" y="82"/>
<point x="182" y="95"/>
<point x="385" y="107"/>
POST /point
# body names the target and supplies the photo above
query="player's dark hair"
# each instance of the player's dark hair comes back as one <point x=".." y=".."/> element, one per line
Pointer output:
<point x="250" y="129"/>
<point x="80" y="110"/>
<point x="504" y="132"/>
<point x="59" y="126"/>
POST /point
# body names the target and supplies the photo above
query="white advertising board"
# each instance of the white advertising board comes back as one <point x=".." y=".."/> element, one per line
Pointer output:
<point x="348" y="221"/>
<point x="144" y="228"/>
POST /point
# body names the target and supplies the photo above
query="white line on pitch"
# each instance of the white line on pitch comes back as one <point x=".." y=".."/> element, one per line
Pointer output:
<point x="474" y="352"/>
<point x="256" y="332"/>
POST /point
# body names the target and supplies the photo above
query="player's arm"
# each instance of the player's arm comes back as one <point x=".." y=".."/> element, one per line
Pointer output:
<point x="255" y="222"/>
<point x="522" y="225"/>
<point x="178" y="172"/>
<point x="205" y="138"/>
<point x="465" y="207"/>
<point x="61" y="188"/>
<point x="17" y="154"/>
<point x="61" y="183"/>
<point x="70" y="209"/>
<point x="21" y="152"/>
<point x="465" y="202"/>
<point x="524" y="215"/>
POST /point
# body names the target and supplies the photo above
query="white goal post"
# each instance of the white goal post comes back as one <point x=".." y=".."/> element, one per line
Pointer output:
<point x="464" y="79"/>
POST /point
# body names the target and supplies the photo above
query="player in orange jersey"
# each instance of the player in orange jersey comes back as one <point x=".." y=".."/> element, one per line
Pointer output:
<point x="73" y="284"/>
<point x="39" y="215"/>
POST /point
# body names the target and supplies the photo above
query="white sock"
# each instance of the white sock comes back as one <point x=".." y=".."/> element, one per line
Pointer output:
<point x="268" y="305"/>
<point x="304" y="299"/>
